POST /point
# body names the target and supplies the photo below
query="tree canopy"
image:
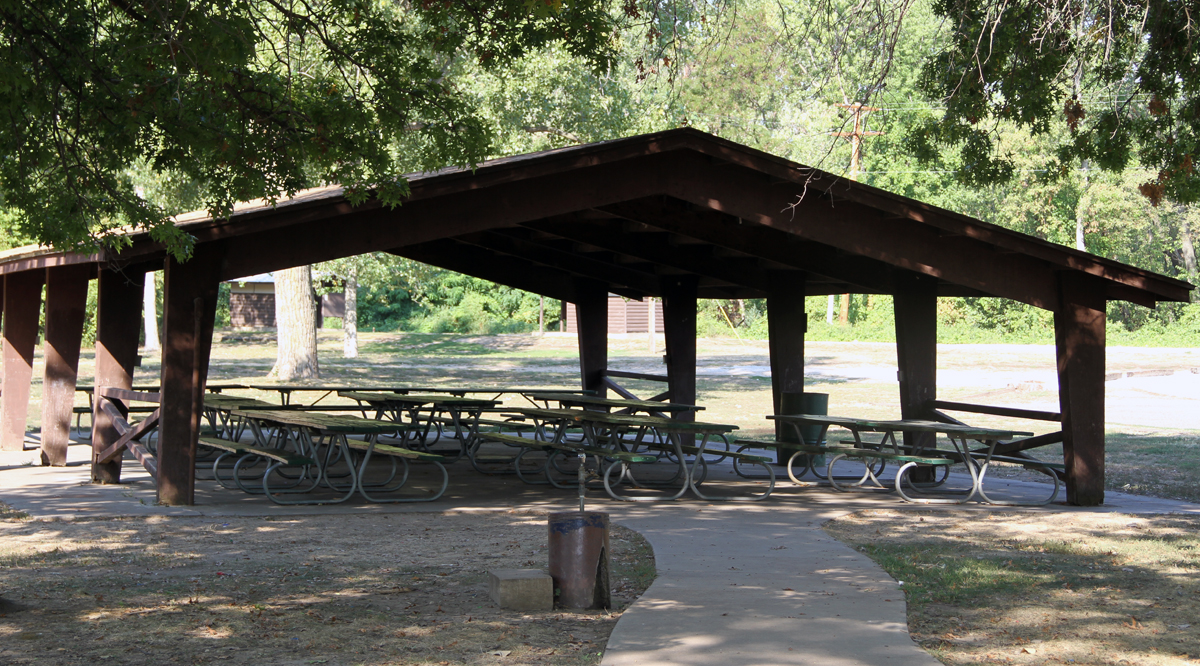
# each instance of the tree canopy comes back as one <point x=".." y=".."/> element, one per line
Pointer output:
<point x="248" y="99"/>
<point x="1114" y="84"/>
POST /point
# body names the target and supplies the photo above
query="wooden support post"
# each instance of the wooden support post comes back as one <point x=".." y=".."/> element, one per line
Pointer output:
<point x="66" y="302"/>
<point x="915" y="306"/>
<point x="1079" y="334"/>
<point x="1" y="341"/>
<point x="591" y="324"/>
<point x="22" y="304"/>
<point x="679" y="328"/>
<point x="118" y="322"/>
<point x="786" y="326"/>
<point x="190" y="302"/>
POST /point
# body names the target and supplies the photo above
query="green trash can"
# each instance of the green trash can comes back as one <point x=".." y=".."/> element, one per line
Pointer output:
<point x="802" y="403"/>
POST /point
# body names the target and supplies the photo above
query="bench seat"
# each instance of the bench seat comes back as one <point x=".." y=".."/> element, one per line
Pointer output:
<point x="279" y="455"/>
<point x="514" y="440"/>
<point x="1027" y="463"/>
<point x="693" y="450"/>
<point x="526" y="442"/>
<point x="396" y="451"/>
<point x="898" y="457"/>
<point x="515" y="425"/>
<point x="771" y="445"/>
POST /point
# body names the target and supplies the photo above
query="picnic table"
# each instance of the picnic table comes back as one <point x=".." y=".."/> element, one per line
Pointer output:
<point x="959" y="435"/>
<point x="422" y="412"/>
<point x="876" y="454"/>
<point x="609" y="404"/>
<point x="218" y="410"/>
<point x="318" y="451"/>
<point x="616" y="437"/>
<point x="89" y="390"/>
<point x="286" y="390"/>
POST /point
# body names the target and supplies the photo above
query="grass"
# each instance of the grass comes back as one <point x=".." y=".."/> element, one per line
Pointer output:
<point x="1040" y="588"/>
<point x="9" y="513"/>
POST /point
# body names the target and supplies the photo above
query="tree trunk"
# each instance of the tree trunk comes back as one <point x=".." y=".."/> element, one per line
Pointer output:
<point x="350" y="317"/>
<point x="1085" y="200"/>
<point x="150" y="310"/>
<point x="296" y="322"/>
<point x="1189" y="250"/>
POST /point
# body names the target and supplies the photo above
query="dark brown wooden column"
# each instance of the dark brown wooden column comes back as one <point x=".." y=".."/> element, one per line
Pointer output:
<point x="591" y="323"/>
<point x="22" y="300"/>
<point x="190" y="301"/>
<point x="66" y="301"/>
<point x="915" y="306"/>
<point x="1" y="334"/>
<point x="1079" y="330"/>
<point x="118" y="324"/>
<point x="679" y="330"/>
<point x="786" y="326"/>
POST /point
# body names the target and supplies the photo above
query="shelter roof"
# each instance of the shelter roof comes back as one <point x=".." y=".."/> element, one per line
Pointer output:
<point x="629" y="214"/>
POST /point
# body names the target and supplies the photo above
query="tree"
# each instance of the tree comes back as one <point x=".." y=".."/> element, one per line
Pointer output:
<point x="248" y="99"/>
<point x="1114" y="84"/>
<point x="295" y="322"/>
<point x="150" y="313"/>
<point x="371" y="268"/>
<point x="350" y="316"/>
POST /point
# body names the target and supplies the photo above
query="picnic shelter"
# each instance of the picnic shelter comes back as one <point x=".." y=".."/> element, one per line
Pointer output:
<point x="678" y="215"/>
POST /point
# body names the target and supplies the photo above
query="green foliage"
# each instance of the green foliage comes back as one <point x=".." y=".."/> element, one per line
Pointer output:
<point x="1115" y="83"/>
<point x="250" y="99"/>
<point x="400" y="294"/>
<point x="10" y="234"/>
<point x="963" y="321"/>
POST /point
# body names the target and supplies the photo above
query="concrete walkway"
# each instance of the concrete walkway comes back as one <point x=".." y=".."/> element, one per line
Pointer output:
<point x="739" y="584"/>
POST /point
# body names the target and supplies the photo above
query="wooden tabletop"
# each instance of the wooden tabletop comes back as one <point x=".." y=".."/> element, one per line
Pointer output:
<point x="822" y="419"/>
<point x="417" y="400"/>
<point x="656" y="422"/>
<point x="903" y="425"/>
<point x="329" y="423"/>
<point x="972" y="432"/>
<point x="615" y="403"/>
<point x="220" y="401"/>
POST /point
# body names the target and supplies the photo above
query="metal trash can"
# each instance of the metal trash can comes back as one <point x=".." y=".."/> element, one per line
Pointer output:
<point x="802" y="403"/>
<point x="579" y="559"/>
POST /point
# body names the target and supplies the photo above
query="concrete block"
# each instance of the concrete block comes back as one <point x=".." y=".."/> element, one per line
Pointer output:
<point x="522" y="589"/>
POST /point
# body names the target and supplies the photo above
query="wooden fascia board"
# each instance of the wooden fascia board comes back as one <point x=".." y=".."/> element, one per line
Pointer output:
<point x="498" y="173"/>
<point x="444" y="217"/>
<point x="40" y="262"/>
<point x="808" y="182"/>
<point x="860" y="230"/>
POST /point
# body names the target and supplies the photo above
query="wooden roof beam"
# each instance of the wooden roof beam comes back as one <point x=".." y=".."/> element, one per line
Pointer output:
<point x="478" y="262"/>
<point x="543" y="254"/>
<point x="656" y="248"/>
<point x="754" y="240"/>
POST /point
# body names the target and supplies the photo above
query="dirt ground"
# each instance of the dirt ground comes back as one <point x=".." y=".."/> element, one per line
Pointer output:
<point x="408" y="588"/>
<point x="1038" y="588"/>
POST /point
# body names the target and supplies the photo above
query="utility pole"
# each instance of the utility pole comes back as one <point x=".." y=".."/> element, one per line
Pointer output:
<point x="855" y="137"/>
